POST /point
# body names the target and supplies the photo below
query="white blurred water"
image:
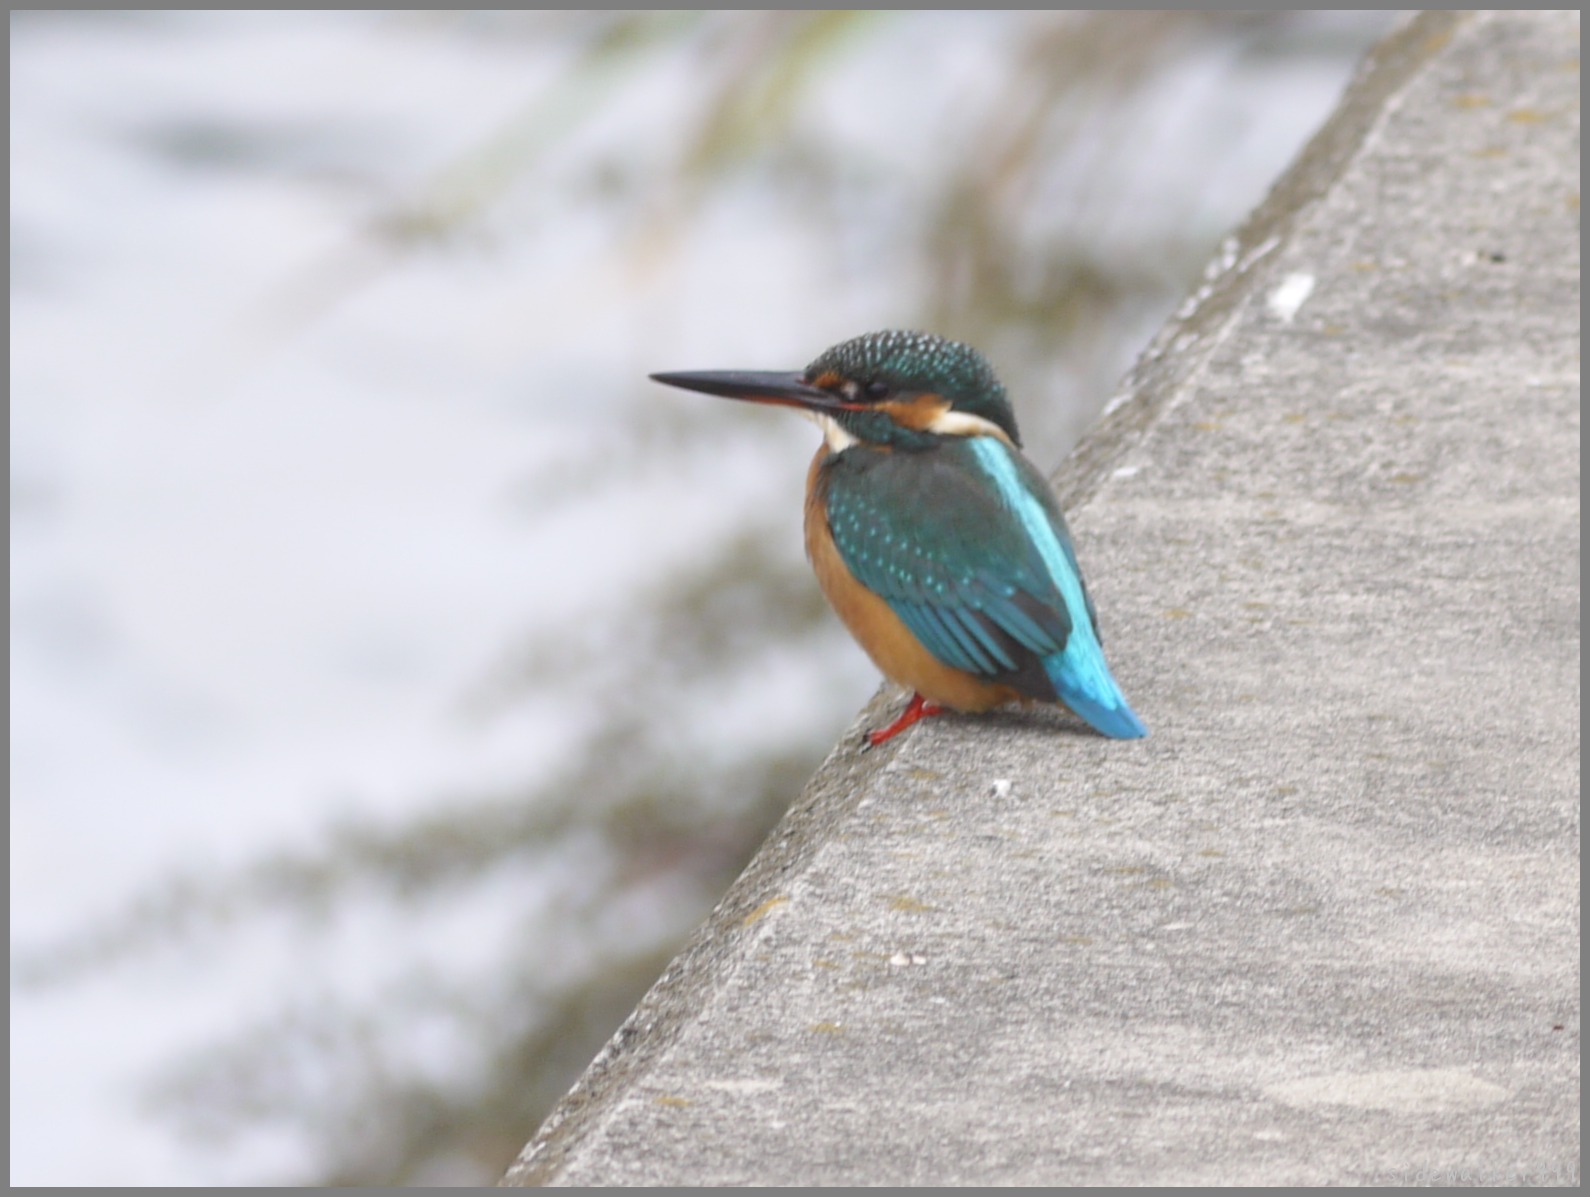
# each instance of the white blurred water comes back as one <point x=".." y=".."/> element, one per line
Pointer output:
<point x="275" y="522"/>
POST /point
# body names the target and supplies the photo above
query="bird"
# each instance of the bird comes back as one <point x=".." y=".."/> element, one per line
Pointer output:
<point x="940" y="547"/>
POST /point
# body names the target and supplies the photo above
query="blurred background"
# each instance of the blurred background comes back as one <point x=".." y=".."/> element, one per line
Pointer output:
<point x="397" y="676"/>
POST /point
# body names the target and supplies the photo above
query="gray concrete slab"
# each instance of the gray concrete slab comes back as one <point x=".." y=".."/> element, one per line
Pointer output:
<point x="1321" y="927"/>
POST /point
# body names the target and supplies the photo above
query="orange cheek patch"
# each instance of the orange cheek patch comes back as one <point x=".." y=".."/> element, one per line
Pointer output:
<point x="827" y="381"/>
<point x="918" y="412"/>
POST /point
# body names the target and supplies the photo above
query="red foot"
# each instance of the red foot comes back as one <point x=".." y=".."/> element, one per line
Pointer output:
<point x="920" y="708"/>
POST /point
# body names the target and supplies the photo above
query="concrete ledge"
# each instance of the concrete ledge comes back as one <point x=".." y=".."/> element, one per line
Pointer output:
<point x="1322" y="926"/>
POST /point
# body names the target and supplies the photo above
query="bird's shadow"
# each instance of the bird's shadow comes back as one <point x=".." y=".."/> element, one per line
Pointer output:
<point x="1024" y="719"/>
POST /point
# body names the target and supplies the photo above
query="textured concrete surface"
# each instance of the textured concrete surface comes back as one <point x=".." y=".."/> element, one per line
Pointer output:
<point x="1321" y="927"/>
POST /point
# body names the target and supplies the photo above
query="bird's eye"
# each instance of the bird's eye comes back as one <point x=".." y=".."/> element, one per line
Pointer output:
<point x="877" y="390"/>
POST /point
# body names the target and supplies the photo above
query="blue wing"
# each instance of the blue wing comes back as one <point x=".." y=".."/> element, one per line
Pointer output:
<point x="966" y="545"/>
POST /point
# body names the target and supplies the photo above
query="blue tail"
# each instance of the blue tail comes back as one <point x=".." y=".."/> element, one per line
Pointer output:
<point x="1087" y="687"/>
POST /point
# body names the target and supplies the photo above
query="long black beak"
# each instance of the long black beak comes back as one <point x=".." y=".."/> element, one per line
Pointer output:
<point x="787" y="390"/>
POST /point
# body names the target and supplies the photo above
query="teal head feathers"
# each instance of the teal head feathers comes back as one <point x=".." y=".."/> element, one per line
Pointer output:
<point x="897" y="372"/>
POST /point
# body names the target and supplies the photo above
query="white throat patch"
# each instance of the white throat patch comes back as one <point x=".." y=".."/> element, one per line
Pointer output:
<point x="834" y="433"/>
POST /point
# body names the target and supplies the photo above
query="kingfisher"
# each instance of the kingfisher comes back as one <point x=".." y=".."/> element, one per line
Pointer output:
<point x="937" y="543"/>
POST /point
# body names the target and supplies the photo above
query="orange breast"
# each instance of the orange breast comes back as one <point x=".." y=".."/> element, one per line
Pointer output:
<point x="891" y="645"/>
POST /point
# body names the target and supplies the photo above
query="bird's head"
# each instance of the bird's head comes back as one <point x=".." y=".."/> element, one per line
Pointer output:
<point x="900" y="389"/>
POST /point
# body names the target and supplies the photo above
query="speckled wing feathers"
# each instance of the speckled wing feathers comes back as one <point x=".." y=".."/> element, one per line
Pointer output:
<point x="928" y="534"/>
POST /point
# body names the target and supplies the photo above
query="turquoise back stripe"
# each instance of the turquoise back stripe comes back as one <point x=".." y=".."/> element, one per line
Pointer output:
<point x="1082" y="663"/>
